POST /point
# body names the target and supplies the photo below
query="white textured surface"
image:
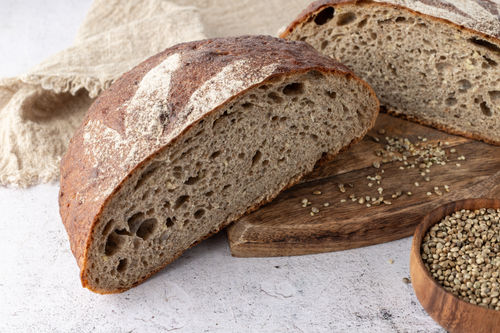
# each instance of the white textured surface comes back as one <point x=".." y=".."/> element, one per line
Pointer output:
<point x="206" y="290"/>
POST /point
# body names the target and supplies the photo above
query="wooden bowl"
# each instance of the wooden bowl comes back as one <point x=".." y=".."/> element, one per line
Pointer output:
<point x="445" y="308"/>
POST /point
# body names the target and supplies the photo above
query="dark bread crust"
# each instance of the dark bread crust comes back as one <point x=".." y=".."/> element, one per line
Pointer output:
<point x="81" y="196"/>
<point x="314" y="8"/>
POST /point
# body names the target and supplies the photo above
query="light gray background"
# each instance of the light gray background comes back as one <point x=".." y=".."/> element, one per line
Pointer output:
<point x="206" y="290"/>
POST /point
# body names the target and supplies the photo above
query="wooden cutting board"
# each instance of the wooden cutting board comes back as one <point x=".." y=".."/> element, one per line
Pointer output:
<point x="285" y="227"/>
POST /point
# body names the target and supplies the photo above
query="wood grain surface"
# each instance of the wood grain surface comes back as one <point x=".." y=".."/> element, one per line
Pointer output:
<point x="285" y="227"/>
<point x="454" y="314"/>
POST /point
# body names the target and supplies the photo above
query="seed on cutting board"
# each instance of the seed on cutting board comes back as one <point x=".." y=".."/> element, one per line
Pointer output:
<point x="458" y="165"/>
<point x="381" y="131"/>
<point x="361" y="200"/>
<point x="317" y="193"/>
<point x="446" y="188"/>
<point x="429" y="193"/>
<point x="341" y="188"/>
<point x="427" y="179"/>
<point x="409" y="193"/>
<point x="417" y="184"/>
<point x="376" y="165"/>
<point x="326" y="204"/>
<point x="343" y="200"/>
<point x="462" y="252"/>
<point x="461" y="158"/>
<point x="387" y="202"/>
<point x="314" y="210"/>
<point x="370" y="184"/>
<point x="380" y="190"/>
<point x="453" y="150"/>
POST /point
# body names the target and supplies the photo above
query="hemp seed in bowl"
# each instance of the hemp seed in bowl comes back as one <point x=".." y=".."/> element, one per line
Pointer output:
<point x="462" y="253"/>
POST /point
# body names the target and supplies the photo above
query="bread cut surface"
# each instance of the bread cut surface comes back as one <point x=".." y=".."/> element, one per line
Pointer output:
<point x="192" y="139"/>
<point x="423" y="67"/>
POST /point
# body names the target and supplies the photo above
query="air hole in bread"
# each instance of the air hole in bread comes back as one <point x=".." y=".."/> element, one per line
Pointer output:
<point x="256" y="157"/>
<point x="209" y="193"/>
<point x="494" y="96"/>
<point x="170" y="222"/>
<point x="362" y="23"/>
<point x="464" y="85"/>
<point x="490" y="61"/>
<point x="324" y="16"/>
<point x="215" y="154"/>
<point x="450" y="101"/>
<point x="485" y="109"/>
<point x="192" y="180"/>
<point x="346" y="18"/>
<point x="275" y="97"/>
<point x="199" y="213"/>
<point x="135" y="221"/>
<point x="295" y="88"/>
<point x="147" y="174"/>
<point x="314" y="137"/>
<point x="485" y="44"/>
<point x="331" y="94"/>
<point x="246" y="105"/>
<point x="147" y="228"/>
<point x="122" y="265"/>
<point x="324" y="44"/>
<point x="113" y="244"/>
<point x="181" y="200"/>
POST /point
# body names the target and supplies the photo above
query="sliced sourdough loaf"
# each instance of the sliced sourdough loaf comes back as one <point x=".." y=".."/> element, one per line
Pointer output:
<point x="194" y="137"/>
<point x="420" y="61"/>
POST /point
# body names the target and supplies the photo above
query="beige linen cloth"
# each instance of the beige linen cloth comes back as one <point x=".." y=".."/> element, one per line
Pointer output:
<point x="40" y="110"/>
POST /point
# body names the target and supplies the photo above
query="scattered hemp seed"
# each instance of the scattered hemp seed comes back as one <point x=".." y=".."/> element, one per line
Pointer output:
<point x="361" y="201"/>
<point x="370" y="184"/>
<point x="429" y="193"/>
<point x="458" y="165"/>
<point x="368" y="205"/>
<point x="380" y="190"/>
<point x="409" y="193"/>
<point x="446" y="188"/>
<point x="376" y="165"/>
<point x="417" y="184"/>
<point x="461" y="158"/>
<point x="453" y="150"/>
<point x="406" y="280"/>
<point x="326" y="204"/>
<point x="381" y="131"/>
<point x="343" y="200"/>
<point x="462" y="253"/>
<point x="314" y="210"/>
<point x="317" y="193"/>
<point x="341" y="188"/>
<point x="374" y="138"/>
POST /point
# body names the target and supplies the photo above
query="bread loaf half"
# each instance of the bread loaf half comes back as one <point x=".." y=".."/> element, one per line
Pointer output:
<point x="191" y="139"/>
<point x="421" y="63"/>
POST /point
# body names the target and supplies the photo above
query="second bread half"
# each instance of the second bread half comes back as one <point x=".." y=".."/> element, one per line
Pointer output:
<point x="422" y="63"/>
